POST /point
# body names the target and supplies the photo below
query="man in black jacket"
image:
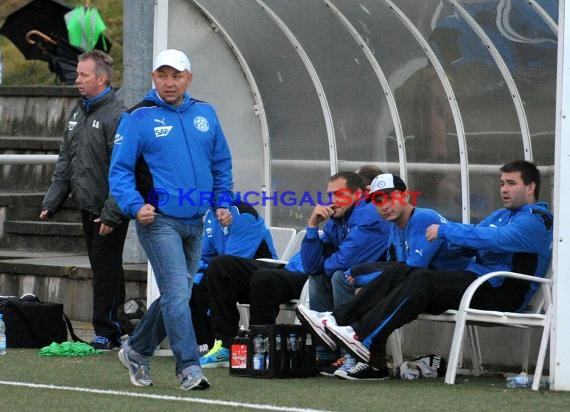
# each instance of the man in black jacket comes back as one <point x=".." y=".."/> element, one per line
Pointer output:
<point x="82" y="169"/>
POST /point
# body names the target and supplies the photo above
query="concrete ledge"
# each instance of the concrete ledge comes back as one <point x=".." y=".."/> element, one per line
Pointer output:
<point x="71" y="266"/>
<point x="35" y="91"/>
<point x="50" y="228"/>
<point x="30" y="143"/>
<point x="63" y="279"/>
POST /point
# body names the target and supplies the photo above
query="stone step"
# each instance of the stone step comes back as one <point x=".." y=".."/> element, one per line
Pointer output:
<point x="28" y="227"/>
<point x="43" y="236"/>
<point x="25" y="178"/>
<point x="36" y="111"/>
<point x="27" y="206"/>
<point x="28" y="143"/>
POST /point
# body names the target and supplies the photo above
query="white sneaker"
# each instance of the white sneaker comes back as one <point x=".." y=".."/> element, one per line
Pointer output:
<point x="317" y="321"/>
<point x="346" y="336"/>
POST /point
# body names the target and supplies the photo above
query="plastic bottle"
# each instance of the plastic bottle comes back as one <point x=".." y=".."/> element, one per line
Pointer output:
<point x="266" y="352"/>
<point x="279" y="358"/>
<point x="258" y="353"/>
<point x="292" y="349"/>
<point x="2" y="335"/>
<point x="238" y="354"/>
<point x="522" y="380"/>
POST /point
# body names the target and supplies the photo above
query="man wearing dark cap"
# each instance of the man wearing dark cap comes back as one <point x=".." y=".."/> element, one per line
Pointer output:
<point x="169" y="151"/>
<point x="515" y="238"/>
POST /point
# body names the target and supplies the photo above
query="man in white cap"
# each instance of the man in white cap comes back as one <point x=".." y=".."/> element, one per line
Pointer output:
<point x="171" y="164"/>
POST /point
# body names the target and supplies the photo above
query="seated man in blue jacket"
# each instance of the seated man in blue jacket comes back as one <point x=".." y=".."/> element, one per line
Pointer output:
<point x="354" y="233"/>
<point x="407" y="244"/>
<point x="516" y="238"/>
<point x="247" y="236"/>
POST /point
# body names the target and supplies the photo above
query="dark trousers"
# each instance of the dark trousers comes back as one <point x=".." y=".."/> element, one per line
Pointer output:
<point x="106" y="259"/>
<point x="263" y="285"/>
<point x="199" y="309"/>
<point x="402" y="293"/>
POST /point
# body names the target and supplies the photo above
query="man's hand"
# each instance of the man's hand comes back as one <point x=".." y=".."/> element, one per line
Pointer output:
<point x="104" y="230"/>
<point x="146" y="214"/>
<point x="320" y="213"/>
<point x="431" y="232"/>
<point x="224" y="216"/>
<point x="44" y="215"/>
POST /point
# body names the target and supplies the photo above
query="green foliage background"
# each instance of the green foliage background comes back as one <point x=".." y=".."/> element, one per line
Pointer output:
<point x="19" y="71"/>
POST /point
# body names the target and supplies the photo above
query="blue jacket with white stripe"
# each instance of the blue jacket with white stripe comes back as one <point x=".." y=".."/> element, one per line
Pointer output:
<point x="175" y="158"/>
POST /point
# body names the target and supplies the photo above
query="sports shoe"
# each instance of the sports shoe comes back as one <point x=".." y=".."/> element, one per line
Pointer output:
<point x="349" y="363"/>
<point x="104" y="343"/>
<point x="139" y="372"/>
<point x="193" y="382"/>
<point x="218" y="357"/>
<point x="317" y="321"/>
<point x="363" y="371"/>
<point x="329" y="369"/>
<point x="346" y="336"/>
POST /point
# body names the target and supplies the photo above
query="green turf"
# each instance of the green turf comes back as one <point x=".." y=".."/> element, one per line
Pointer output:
<point x="104" y="372"/>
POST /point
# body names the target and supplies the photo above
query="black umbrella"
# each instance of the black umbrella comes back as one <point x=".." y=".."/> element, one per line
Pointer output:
<point x="61" y="56"/>
<point x="46" y="16"/>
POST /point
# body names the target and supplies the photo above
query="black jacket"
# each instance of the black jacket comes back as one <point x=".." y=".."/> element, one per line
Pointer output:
<point x="82" y="167"/>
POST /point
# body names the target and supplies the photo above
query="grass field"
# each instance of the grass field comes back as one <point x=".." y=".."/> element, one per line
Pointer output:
<point x="29" y="382"/>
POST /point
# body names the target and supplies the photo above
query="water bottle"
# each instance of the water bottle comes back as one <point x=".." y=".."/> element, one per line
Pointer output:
<point x="521" y="380"/>
<point x="266" y="352"/>
<point x="292" y="350"/>
<point x="2" y="335"/>
<point x="279" y="358"/>
<point x="258" y="353"/>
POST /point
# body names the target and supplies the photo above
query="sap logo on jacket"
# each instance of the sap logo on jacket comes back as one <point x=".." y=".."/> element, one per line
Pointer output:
<point x="162" y="131"/>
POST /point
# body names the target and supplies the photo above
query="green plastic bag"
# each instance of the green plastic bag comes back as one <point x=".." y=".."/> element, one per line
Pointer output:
<point x="84" y="27"/>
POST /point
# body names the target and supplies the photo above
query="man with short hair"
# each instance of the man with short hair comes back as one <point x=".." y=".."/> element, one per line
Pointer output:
<point x="169" y="152"/>
<point x="82" y="168"/>
<point x="407" y="244"/>
<point x="515" y="238"/>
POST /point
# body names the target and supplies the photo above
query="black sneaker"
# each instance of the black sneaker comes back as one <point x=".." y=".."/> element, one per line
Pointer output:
<point x="363" y="371"/>
<point x="330" y="368"/>
<point x="103" y="343"/>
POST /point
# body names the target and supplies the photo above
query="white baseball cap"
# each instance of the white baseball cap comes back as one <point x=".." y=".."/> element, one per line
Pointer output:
<point x="386" y="183"/>
<point x="173" y="58"/>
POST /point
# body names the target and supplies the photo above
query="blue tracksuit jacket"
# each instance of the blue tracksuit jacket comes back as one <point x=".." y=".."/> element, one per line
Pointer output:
<point x="503" y="233"/>
<point x="361" y="236"/>
<point x="242" y="238"/>
<point x="409" y="245"/>
<point x="175" y="158"/>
